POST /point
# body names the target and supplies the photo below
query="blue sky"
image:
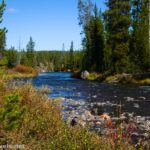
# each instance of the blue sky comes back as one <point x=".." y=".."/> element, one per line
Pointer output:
<point x="50" y="23"/>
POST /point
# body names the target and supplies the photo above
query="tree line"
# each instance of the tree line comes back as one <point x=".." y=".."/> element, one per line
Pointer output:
<point x="117" y="39"/>
<point x="49" y="60"/>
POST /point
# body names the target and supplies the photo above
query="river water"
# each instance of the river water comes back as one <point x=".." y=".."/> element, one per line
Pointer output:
<point x="103" y="96"/>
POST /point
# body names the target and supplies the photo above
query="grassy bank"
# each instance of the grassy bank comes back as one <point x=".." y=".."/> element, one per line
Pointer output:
<point x="140" y="79"/>
<point x="18" y="71"/>
<point x="128" y="79"/>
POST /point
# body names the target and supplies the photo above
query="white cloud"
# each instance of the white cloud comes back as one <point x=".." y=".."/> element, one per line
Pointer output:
<point x="11" y="10"/>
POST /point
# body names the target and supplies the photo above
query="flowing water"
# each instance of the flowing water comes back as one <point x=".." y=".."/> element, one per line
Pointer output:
<point x="103" y="96"/>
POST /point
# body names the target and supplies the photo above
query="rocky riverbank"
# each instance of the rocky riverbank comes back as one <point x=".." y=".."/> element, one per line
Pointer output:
<point x="124" y="78"/>
<point x="79" y="113"/>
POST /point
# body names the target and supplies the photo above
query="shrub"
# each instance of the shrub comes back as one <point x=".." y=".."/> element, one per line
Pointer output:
<point x="93" y="76"/>
<point x="3" y="61"/>
<point x="24" y="69"/>
<point x="111" y="78"/>
<point x="11" y="112"/>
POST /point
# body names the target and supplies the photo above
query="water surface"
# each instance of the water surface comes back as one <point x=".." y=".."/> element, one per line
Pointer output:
<point x="104" y="96"/>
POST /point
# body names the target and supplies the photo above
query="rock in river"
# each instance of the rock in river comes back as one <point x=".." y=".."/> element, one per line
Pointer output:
<point x="84" y="74"/>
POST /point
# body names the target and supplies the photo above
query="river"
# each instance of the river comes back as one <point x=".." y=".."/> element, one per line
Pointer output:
<point x="105" y="97"/>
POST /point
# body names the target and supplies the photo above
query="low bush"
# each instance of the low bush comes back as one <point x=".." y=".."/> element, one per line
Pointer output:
<point x="111" y="78"/>
<point x="11" y="112"/>
<point x="94" y="76"/>
<point x="24" y="69"/>
<point x="3" y="61"/>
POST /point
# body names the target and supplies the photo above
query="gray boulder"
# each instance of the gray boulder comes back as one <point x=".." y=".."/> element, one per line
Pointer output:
<point x="84" y="74"/>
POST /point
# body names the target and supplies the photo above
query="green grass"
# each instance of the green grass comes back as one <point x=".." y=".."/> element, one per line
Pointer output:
<point x="94" y="76"/>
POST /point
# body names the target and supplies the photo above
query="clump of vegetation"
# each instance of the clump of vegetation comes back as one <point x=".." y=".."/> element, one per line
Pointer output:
<point x="3" y="61"/>
<point x="145" y="81"/>
<point x="94" y="76"/>
<point x="132" y="80"/>
<point x="111" y="78"/>
<point x="11" y="111"/>
<point x="24" y="69"/>
<point x="45" y="90"/>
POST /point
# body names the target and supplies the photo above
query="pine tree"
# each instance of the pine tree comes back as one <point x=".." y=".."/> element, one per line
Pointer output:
<point x="97" y="41"/>
<point x="93" y="41"/>
<point x="85" y="9"/>
<point x="2" y="31"/>
<point x="71" y="56"/>
<point x="117" y="21"/>
<point x="11" y="55"/>
<point x="30" y="52"/>
<point x="24" y="59"/>
<point x="140" y="51"/>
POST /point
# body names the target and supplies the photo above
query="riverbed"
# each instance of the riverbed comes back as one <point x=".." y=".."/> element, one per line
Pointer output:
<point x="102" y="97"/>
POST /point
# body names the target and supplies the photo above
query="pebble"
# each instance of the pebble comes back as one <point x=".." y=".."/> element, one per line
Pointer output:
<point x="129" y="99"/>
<point x="94" y="96"/>
<point x="136" y="105"/>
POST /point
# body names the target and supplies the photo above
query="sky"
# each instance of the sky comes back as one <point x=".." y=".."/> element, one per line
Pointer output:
<point x="50" y="23"/>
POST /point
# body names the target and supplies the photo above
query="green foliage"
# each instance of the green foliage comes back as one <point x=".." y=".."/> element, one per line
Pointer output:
<point x="3" y="61"/>
<point x="11" y="113"/>
<point x="30" y="53"/>
<point x="2" y="30"/>
<point x="93" y="41"/>
<point x="118" y="20"/>
<point x="124" y="46"/>
<point x="12" y="57"/>
<point x="24" y="59"/>
<point x="140" y="51"/>
<point x="71" y="59"/>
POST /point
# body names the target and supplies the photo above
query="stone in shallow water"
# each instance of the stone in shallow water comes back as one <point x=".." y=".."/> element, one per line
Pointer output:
<point x="74" y="121"/>
<point x="136" y="105"/>
<point x="85" y="74"/>
<point x="129" y="99"/>
<point x="94" y="96"/>
<point x="94" y="111"/>
<point x="142" y="98"/>
<point x="82" y="123"/>
<point x="98" y="123"/>
<point x="139" y="119"/>
<point x="83" y="117"/>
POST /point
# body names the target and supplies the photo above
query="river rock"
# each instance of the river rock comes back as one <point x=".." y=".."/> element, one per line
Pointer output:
<point x="84" y="74"/>
<point x="129" y="99"/>
<point x="136" y="105"/>
<point x="98" y="123"/>
<point x="142" y="98"/>
<point x="94" y="111"/>
<point x="74" y="121"/>
<point x="82" y="123"/>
